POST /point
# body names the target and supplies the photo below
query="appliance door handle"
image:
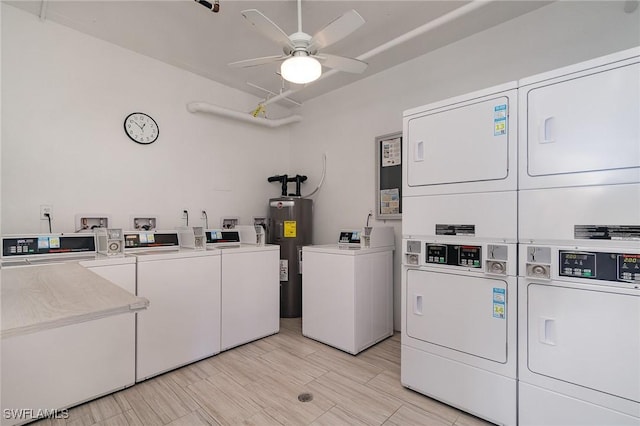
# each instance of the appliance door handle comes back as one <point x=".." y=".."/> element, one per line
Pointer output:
<point x="547" y="331"/>
<point x="419" y="151"/>
<point x="545" y="133"/>
<point x="417" y="305"/>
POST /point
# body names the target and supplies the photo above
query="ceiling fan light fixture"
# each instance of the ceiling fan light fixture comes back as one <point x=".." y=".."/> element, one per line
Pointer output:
<point x="301" y="69"/>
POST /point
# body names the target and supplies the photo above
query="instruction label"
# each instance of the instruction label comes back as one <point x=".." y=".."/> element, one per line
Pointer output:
<point x="500" y="120"/>
<point x="290" y="229"/>
<point x="284" y="270"/>
<point x="499" y="301"/>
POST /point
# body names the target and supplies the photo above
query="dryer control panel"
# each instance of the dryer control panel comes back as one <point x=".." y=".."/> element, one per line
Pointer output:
<point x="604" y="266"/>
<point x="454" y="254"/>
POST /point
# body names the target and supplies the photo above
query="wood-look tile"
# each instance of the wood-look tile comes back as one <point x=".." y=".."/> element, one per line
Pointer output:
<point x="410" y="415"/>
<point x="192" y="373"/>
<point x="344" y="364"/>
<point x="363" y="402"/>
<point x="389" y="383"/>
<point x="242" y="369"/>
<point x="278" y="396"/>
<point x="122" y="401"/>
<point x="179" y="392"/>
<point x="195" y="418"/>
<point x="223" y="399"/>
<point x="140" y="407"/>
<point x="104" y="408"/>
<point x="295" y="343"/>
<point x="385" y="355"/>
<point x="162" y="400"/>
<point x="117" y="420"/>
<point x="261" y="419"/>
<point x="132" y="418"/>
<point x="337" y="416"/>
<point x="297" y="369"/>
<point x="465" y="419"/>
<point x="80" y="415"/>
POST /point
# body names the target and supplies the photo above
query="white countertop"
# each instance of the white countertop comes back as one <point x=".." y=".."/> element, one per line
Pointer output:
<point x="36" y="298"/>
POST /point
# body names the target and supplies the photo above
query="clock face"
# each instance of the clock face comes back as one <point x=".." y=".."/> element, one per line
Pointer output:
<point x="141" y="128"/>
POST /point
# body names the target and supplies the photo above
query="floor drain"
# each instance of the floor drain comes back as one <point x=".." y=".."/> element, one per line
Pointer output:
<point x="305" y="397"/>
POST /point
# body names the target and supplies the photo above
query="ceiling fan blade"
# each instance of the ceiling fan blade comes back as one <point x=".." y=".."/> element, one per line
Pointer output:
<point x="257" y="61"/>
<point x="266" y="26"/>
<point x="341" y="63"/>
<point x="336" y="30"/>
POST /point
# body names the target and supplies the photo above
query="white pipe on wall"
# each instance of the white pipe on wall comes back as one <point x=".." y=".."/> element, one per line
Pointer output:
<point x="241" y="116"/>
<point x="444" y="19"/>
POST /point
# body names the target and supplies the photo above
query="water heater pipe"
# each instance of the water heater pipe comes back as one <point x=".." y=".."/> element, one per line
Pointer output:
<point x="444" y="19"/>
<point x="242" y="116"/>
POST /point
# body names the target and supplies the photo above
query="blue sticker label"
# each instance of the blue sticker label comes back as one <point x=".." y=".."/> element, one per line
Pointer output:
<point x="500" y="120"/>
<point x="499" y="303"/>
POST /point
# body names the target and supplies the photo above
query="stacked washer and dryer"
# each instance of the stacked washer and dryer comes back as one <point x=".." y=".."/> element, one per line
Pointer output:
<point x="459" y="228"/>
<point x="576" y="218"/>
<point x="579" y="229"/>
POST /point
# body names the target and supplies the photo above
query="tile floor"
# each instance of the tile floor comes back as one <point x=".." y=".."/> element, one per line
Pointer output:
<point x="259" y="383"/>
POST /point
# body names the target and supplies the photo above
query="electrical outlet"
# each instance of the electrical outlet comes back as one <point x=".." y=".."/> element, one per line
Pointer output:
<point x="45" y="209"/>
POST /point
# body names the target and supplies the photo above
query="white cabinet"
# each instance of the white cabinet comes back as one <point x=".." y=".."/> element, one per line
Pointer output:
<point x="347" y="296"/>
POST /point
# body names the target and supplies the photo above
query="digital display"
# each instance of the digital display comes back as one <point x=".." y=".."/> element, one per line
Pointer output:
<point x="629" y="267"/>
<point x="47" y="244"/>
<point x="219" y="236"/>
<point x="150" y="239"/>
<point x="577" y="264"/>
<point x="436" y="253"/>
<point x="470" y="256"/>
<point x="349" y="237"/>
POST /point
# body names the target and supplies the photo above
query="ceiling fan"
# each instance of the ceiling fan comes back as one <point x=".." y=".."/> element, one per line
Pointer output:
<point x="301" y="59"/>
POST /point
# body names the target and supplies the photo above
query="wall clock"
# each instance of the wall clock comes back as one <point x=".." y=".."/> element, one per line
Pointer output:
<point x="141" y="128"/>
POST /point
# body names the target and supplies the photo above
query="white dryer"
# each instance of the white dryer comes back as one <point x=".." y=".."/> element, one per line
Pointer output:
<point x="459" y="324"/>
<point x="182" y="323"/>
<point x="579" y="335"/>
<point x="579" y="124"/>
<point x="462" y="145"/>
<point x="250" y="285"/>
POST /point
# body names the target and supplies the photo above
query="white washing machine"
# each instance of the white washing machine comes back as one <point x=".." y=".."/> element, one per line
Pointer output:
<point x="579" y="328"/>
<point x="464" y="144"/>
<point x="182" y="323"/>
<point x="96" y="357"/>
<point x="579" y="124"/>
<point x="347" y="291"/>
<point x="250" y="285"/>
<point x="459" y="324"/>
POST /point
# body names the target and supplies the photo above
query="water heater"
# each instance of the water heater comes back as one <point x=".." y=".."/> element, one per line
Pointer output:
<point x="290" y="227"/>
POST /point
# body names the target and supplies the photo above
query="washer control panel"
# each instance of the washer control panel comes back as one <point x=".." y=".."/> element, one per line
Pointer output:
<point x="454" y="254"/>
<point x="600" y="265"/>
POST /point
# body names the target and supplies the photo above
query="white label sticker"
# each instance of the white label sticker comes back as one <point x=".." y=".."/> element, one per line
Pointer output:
<point x="284" y="270"/>
<point x="500" y="120"/>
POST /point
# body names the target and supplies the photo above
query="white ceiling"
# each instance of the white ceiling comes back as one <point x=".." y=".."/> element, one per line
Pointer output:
<point x="187" y="35"/>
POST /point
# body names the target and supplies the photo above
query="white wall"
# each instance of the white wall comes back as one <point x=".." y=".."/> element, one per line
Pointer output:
<point x="344" y="123"/>
<point x="64" y="99"/>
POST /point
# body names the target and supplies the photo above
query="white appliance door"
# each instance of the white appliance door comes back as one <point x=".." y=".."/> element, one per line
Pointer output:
<point x="460" y="144"/>
<point x="585" y="124"/>
<point x="585" y="337"/>
<point x="182" y="322"/>
<point x="250" y="296"/>
<point x="458" y="312"/>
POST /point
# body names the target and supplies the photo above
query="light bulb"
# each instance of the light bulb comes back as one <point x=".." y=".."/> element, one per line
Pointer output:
<point x="301" y="69"/>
